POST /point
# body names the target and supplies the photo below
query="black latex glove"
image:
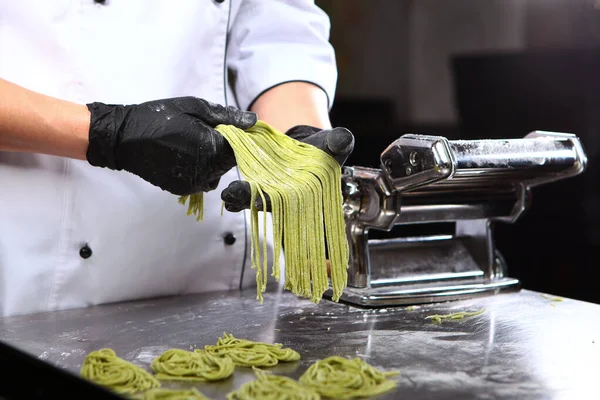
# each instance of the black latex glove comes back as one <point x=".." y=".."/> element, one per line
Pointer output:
<point x="337" y="142"/>
<point x="170" y="143"/>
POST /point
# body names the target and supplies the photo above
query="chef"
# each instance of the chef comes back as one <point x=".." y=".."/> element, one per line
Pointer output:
<point x="107" y="114"/>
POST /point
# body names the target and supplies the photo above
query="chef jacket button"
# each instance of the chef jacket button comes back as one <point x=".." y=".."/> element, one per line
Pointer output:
<point x="229" y="238"/>
<point x="219" y="1"/>
<point x="85" y="252"/>
<point x="100" y="1"/>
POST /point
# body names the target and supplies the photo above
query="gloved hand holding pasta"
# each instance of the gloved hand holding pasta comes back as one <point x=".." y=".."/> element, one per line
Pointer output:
<point x="184" y="145"/>
<point x="302" y="180"/>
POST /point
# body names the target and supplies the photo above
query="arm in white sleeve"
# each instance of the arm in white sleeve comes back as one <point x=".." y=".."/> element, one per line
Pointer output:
<point x="278" y="41"/>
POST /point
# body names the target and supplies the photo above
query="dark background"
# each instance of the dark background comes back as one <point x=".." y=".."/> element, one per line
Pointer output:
<point x="469" y="69"/>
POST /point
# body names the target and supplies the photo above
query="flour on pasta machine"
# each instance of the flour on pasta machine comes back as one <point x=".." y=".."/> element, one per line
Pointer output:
<point x="467" y="185"/>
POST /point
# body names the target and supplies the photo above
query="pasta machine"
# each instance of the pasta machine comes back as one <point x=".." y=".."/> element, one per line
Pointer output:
<point x="466" y="185"/>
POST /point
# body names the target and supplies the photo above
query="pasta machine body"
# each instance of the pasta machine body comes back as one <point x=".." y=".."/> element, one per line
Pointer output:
<point x="466" y="185"/>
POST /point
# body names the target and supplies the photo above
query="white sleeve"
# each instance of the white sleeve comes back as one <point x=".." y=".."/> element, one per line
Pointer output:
<point x="277" y="41"/>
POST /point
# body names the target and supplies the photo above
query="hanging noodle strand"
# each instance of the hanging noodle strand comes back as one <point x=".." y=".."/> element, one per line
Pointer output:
<point x="195" y="205"/>
<point x="303" y="184"/>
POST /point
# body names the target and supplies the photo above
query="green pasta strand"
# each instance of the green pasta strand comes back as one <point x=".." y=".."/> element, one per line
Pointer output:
<point x="247" y="353"/>
<point x="341" y="378"/>
<point x="552" y="298"/>
<point x="182" y="365"/>
<point x="454" y="316"/>
<point x="105" y="368"/>
<point x="303" y="183"/>
<point x="273" y="387"/>
<point x="195" y="205"/>
<point x="172" y="394"/>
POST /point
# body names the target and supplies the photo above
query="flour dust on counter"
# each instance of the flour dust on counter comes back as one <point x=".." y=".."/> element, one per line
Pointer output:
<point x="511" y="351"/>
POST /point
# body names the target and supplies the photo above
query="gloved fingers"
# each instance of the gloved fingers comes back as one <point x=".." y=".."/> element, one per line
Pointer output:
<point x="340" y="144"/>
<point x="302" y="132"/>
<point x="337" y="142"/>
<point x="237" y="197"/>
<point x="241" y="119"/>
<point x="215" y="114"/>
<point x="212" y="185"/>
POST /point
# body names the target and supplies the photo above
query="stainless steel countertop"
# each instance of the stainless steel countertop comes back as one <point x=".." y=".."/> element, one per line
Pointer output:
<point x="524" y="346"/>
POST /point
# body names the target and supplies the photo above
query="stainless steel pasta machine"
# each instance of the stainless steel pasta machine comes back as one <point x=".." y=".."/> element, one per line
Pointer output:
<point x="469" y="185"/>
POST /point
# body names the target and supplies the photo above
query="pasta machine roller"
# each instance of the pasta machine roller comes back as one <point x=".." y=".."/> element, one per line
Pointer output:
<point x="463" y="185"/>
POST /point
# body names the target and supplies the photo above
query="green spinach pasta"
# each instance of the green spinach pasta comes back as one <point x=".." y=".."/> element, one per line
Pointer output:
<point x="195" y="205"/>
<point x="247" y="353"/>
<point x="105" y="368"/>
<point x="454" y="316"/>
<point x="273" y="387"/>
<point x="172" y="394"/>
<point x="341" y="378"/>
<point x="182" y="365"/>
<point x="303" y="184"/>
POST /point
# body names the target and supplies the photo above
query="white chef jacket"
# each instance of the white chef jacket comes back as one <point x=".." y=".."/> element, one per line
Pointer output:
<point x="73" y="235"/>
